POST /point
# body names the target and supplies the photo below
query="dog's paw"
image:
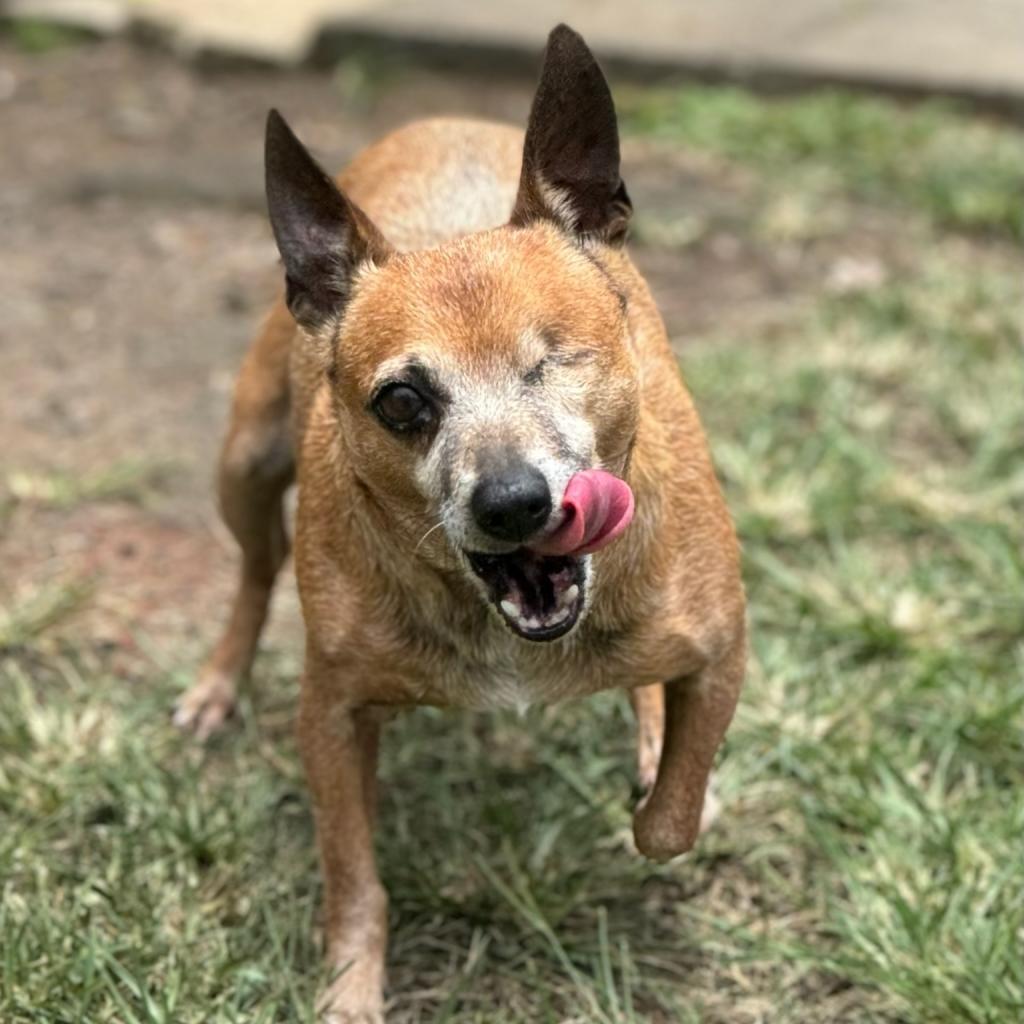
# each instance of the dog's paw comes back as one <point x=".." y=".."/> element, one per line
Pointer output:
<point x="351" y="1017"/>
<point x="711" y="811"/>
<point x="660" y="837"/>
<point x="351" y="1000"/>
<point x="647" y="765"/>
<point x="205" y="708"/>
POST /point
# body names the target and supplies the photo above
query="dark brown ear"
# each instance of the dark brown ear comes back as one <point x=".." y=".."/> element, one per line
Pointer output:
<point x="322" y="235"/>
<point x="571" y="155"/>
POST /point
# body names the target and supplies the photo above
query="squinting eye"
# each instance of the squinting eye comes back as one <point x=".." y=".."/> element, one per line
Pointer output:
<point x="402" y="407"/>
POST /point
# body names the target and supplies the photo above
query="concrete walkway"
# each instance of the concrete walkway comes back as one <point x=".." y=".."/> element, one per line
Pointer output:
<point x="962" y="47"/>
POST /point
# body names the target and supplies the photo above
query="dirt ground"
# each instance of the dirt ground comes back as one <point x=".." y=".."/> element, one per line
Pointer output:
<point x="138" y="261"/>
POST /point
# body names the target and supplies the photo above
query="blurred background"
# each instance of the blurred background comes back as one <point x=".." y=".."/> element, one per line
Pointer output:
<point x="830" y="209"/>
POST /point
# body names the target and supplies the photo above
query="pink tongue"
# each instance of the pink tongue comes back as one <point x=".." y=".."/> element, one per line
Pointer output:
<point x="598" y="507"/>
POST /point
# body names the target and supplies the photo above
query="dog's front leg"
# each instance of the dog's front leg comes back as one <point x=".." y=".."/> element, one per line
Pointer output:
<point x="339" y="751"/>
<point x="698" y="710"/>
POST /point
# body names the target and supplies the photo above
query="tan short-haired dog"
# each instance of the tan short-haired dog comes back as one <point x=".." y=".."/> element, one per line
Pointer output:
<point x="474" y="386"/>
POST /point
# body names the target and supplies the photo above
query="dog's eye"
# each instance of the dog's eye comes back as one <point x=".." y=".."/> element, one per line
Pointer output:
<point x="402" y="407"/>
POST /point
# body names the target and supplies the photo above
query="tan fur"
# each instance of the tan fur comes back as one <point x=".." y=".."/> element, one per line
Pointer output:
<point x="392" y="618"/>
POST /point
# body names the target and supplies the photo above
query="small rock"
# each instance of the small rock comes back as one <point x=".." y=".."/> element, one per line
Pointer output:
<point x="726" y="247"/>
<point x="8" y="84"/>
<point x="851" y="274"/>
<point x="84" y="319"/>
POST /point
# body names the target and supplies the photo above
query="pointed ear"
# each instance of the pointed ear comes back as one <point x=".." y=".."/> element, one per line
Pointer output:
<point x="571" y="155"/>
<point x="322" y="236"/>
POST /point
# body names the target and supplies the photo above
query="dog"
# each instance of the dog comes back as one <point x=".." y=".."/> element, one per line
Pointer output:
<point x="505" y="495"/>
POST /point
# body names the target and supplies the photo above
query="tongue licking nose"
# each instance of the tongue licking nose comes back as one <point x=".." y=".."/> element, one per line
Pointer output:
<point x="598" y="507"/>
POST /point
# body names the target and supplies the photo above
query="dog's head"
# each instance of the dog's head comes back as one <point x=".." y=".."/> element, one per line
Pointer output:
<point x="474" y="380"/>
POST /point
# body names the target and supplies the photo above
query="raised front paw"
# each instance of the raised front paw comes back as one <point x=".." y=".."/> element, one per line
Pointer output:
<point x="664" y="830"/>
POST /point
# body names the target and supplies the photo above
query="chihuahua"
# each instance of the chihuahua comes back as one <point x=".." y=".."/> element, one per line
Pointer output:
<point x="504" y="491"/>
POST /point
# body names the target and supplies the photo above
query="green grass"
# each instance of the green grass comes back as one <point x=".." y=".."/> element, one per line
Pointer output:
<point x="964" y="172"/>
<point x="867" y="867"/>
<point x="124" y="480"/>
<point x="37" y="35"/>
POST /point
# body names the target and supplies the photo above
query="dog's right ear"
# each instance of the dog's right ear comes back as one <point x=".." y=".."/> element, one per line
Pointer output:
<point x="322" y="236"/>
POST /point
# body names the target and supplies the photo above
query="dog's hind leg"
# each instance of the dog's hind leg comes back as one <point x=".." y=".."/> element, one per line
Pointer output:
<point x="649" y="708"/>
<point x="257" y="465"/>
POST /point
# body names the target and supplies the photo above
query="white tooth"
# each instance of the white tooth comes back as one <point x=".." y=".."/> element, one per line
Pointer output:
<point x="533" y="622"/>
<point x="523" y="622"/>
<point x="510" y="609"/>
<point x="560" y="616"/>
<point x="569" y="596"/>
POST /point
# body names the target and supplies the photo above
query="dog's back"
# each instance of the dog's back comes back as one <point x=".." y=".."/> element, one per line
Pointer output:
<point x="437" y="179"/>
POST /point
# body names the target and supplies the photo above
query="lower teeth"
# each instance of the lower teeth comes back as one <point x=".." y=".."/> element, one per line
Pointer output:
<point x="533" y="622"/>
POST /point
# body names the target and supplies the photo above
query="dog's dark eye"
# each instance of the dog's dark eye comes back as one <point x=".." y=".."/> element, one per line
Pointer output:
<point x="402" y="407"/>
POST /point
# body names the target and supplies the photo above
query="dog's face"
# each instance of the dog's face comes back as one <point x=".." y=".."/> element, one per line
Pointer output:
<point x="472" y="381"/>
<point x="475" y="380"/>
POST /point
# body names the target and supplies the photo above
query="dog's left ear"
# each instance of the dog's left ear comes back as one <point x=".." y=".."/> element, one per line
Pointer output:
<point x="571" y="155"/>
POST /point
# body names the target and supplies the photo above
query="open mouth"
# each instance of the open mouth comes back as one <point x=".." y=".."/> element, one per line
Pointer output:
<point x="539" y="596"/>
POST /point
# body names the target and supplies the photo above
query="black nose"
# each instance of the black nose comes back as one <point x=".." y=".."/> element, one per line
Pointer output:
<point x="511" y="503"/>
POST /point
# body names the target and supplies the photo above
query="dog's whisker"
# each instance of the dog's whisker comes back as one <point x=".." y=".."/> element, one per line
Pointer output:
<point x="422" y="540"/>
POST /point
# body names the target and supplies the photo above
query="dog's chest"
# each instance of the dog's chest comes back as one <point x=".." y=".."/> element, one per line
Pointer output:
<point x="490" y="675"/>
<point x="508" y="688"/>
<point x="499" y="671"/>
